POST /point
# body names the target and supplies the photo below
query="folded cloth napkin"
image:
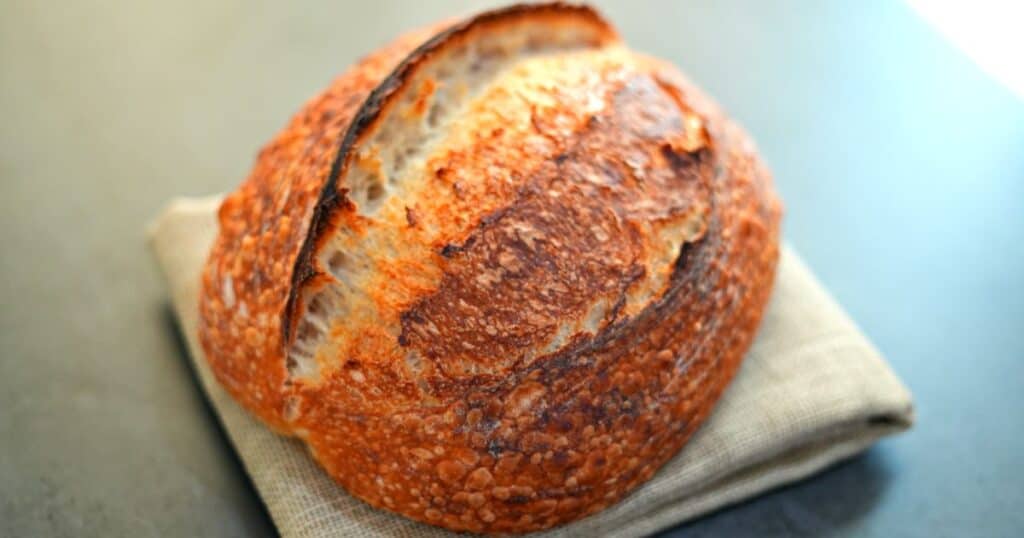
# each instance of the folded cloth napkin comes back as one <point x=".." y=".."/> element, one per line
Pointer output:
<point x="811" y="391"/>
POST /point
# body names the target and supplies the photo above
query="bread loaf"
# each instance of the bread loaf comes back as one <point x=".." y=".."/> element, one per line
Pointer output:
<point x="497" y="273"/>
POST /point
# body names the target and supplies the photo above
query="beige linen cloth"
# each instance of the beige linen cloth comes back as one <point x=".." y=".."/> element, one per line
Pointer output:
<point x="811" y="391"/>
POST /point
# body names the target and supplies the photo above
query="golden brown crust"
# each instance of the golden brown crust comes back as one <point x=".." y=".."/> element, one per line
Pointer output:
<point x="573" y="234"/>
<point x="332" y="199"/>
<point x="559" y="353"/>
<point x="247" y="281"/>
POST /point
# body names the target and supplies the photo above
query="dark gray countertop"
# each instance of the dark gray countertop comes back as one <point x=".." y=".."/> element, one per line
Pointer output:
<point x="901" y="163"/>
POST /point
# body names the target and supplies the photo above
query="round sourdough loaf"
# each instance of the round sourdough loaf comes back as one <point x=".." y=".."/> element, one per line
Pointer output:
<point x="497" y="273"/>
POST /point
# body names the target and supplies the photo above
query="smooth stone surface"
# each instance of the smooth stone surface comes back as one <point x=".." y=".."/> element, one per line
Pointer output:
<point x="901" y="163"/>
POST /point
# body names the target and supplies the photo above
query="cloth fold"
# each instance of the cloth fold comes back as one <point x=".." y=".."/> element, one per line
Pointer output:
<point x="812" y="391"/>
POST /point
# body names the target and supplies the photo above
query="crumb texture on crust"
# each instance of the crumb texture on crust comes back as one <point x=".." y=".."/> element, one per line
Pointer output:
<point x="497" y="274"/>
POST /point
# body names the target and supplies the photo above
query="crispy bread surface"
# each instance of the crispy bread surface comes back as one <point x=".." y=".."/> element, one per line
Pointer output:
<point x="497" y="273"/>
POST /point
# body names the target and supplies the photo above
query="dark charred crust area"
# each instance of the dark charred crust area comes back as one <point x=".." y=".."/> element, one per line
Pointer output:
<point x="451" y="250"/>
<point x="331" y="197"/>
<point x="412" y="217"/>
<point x="571" y="236"/>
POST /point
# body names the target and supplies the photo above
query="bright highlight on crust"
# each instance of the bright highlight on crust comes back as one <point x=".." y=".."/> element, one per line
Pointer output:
<point x="497" y="274"/>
